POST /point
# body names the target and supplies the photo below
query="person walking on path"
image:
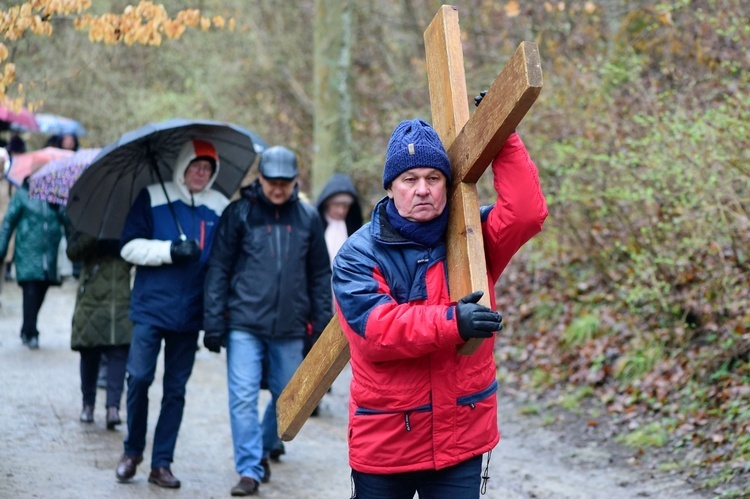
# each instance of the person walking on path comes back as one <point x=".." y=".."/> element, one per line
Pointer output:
<point x="269" y="279"/>
<point x="38" y="226"/>
<point x="421" y="415"/>
<point x="100" y="320"/>
<point x="167" y="299"/>
<point x="340" y="211"/>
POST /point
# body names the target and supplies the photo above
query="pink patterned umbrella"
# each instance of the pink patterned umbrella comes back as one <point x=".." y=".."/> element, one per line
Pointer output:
<point x="24" y="118"/>
<point x="25" y="164"/>
<point x="53" y="181"/>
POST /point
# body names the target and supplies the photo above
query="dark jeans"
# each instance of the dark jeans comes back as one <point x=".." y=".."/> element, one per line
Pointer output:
<point x="457" y="482"/>
<point x="117" y="356"/>
<point x="33" y="296"/>
<point x="179" y="355"/>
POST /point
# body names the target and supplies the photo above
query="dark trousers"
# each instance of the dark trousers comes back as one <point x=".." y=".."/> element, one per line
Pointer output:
<point x="117" y="356"/>
<point x="179" y="355"/>
<point x="461" y="481"/>
<point x="33" y="296"/>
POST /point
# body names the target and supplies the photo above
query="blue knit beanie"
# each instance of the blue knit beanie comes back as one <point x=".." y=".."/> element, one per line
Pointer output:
<point x="414" y="144"/>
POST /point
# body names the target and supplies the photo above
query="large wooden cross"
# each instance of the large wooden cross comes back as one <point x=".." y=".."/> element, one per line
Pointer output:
<point x="471" y="144"/>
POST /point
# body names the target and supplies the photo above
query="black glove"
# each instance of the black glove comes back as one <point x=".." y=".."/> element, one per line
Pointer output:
<point x="309" y="341"/>
<point x="185" y="251"/>
<point x="474" y="320"/>
<point x="213" y="342"/>
<point x="478" y="98"/>
<point x="108" y="247"/>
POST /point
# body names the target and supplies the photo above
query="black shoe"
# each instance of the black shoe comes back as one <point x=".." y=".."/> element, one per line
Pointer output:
<point x="33" y="343"/>
<point x="87" y="414"/>
<point x="277" y="452"/>
<point x="246" y="487"/>
<point x="266" y="471"/>
<point x="113" y="418"/>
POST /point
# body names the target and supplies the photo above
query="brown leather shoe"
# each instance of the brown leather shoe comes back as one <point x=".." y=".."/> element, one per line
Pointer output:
<point x="246" y="487"/>
<point x="127" y="466"/>
<point x="163" y="477"/>
<point x="87" y="414"/>
<point x="113" y="418"/>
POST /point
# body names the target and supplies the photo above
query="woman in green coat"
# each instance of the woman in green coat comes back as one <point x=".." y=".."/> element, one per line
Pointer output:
<point x="39" y="228"/>
<point x="100" y="320"/>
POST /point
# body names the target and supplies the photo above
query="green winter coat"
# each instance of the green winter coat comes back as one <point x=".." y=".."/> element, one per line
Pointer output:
<point x="39" y="228"/>
<point x="100" y="317"/>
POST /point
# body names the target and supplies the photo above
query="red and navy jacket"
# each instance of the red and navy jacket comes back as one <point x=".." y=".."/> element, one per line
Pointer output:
<point x="415" y="403"/>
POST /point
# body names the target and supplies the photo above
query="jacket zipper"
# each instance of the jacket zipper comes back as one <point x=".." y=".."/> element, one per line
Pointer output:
<point x="469" y="400"/>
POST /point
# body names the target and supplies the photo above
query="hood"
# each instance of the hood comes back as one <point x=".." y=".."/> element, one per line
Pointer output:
<point x="381" y="228"/>
<point x="340" y="183"/>
<point x="192" y="149"/>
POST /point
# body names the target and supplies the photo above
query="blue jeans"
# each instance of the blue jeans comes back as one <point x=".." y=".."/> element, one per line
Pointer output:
<point x="245" y="351"/>
<point x="179" y="356"/>
<point x="461" y="481"/>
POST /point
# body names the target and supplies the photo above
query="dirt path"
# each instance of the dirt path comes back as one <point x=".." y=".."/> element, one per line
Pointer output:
<point x="46" y="452"/>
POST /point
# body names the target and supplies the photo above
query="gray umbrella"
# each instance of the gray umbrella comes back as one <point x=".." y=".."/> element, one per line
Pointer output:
<point x="101" y="198"/>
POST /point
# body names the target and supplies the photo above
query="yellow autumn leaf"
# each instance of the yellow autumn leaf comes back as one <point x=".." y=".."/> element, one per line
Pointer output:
<point x="665" y="17"/>
<point x="10" y="71"/>
<point x="512" y="9"/>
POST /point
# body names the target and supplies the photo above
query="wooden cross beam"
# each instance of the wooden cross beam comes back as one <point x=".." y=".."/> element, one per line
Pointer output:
<point x="471" y="144"/>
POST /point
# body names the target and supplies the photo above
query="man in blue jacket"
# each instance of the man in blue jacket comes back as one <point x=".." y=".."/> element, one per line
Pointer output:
<point x="167" y="298"/>
<point x="269" y="280"/>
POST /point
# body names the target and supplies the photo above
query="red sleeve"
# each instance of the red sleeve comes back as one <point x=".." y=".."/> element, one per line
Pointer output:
<point x="520" y="210"/>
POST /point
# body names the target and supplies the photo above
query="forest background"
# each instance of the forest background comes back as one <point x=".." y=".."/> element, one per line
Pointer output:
<point x="633" y="305"/>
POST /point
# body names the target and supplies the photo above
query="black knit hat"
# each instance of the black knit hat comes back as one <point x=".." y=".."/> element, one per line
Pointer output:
<point x="414" y="144"/>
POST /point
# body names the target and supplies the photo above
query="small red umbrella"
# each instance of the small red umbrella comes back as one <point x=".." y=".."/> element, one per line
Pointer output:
<point x="24" y="164"/>
<point x="24" y="118"/>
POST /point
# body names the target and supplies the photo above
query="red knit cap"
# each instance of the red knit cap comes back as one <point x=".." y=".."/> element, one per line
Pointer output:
<point x="205" y="150"/>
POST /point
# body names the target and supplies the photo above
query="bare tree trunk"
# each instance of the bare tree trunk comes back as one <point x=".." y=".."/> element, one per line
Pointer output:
<point x="332" y="135"/>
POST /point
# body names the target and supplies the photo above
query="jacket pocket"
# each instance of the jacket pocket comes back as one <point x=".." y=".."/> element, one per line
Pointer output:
<point x="363" y="411"/>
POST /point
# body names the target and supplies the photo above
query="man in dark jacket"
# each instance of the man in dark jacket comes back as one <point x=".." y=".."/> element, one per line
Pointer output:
<point x="269" y="280"/>
<point x="167" y="299"/>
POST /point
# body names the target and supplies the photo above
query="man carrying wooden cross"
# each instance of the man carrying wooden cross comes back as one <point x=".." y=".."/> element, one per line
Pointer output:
<point x="421" y="414"/>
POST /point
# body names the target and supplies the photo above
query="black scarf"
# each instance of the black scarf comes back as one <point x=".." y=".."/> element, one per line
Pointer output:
<point x="425" y="233"/>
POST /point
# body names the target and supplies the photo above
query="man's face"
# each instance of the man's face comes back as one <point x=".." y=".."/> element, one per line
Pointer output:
<point x="197" y="174"/>
<point x="277" y="191"/>
<point x="420" y="194"/>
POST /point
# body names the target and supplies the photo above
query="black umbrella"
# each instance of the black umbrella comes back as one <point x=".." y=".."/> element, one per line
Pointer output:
<point x="100" y="199"/>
